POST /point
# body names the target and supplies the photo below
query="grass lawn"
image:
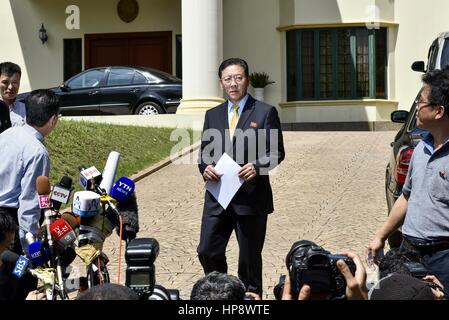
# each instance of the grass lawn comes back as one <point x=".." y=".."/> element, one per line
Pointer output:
<point x="75" y="143"/>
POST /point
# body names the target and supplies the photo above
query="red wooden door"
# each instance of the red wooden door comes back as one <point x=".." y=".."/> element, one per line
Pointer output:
<point x="144" y="49"/>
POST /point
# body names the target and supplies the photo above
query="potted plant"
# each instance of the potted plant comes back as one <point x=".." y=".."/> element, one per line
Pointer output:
<point x="259" y="80"/>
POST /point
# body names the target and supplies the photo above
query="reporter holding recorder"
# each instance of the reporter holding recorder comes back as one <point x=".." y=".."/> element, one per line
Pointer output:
<point x="26" y="158"/>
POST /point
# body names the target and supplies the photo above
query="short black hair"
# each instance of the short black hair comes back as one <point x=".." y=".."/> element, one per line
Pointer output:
<point x="10" y="68"/>
<point x="7" y="224"/>
<point x="218" y="286"/>
<point x="108" y="291"/>
<point x="395" y="261"/>
<point x="41" y="105"/>
<point x="438" y="82"/>
<point x="232" y="62"/>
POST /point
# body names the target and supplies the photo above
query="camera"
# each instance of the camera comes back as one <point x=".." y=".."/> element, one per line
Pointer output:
<point x="310" y="264"/>
<point x="140" y="255"/>
<point x="416" y="269"/>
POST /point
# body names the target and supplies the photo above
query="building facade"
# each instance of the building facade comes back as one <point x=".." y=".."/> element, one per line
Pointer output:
<point x="341" y="63"/>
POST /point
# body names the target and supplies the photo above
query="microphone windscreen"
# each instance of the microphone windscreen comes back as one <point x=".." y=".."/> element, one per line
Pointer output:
<point x="109" y="171"/>
<point x="67" y="256"/>
<point x="9" y="258"/>
<point x="122" y="189"/>
<point x="130" y="217"/>
<point x="73" y="221"/>
<point x="43" y="185"/>
<point x="39" y="254"/>
<point x="66" y="182"/>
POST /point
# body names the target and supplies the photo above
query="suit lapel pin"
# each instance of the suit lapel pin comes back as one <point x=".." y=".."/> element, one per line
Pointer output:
<point x="253" y="125"/>
<point x="442" y="174"/>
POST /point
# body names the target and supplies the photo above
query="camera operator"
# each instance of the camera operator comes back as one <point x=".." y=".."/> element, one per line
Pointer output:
<point x="221" y="286"/>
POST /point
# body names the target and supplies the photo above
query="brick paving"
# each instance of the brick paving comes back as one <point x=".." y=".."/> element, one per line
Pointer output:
<point x="330" y="189"/>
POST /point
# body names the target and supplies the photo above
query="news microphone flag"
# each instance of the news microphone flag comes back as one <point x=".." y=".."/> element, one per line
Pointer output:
<point x="63" y="233"/>
<point x="38" y="253"/>
<point x="86" y="204"/>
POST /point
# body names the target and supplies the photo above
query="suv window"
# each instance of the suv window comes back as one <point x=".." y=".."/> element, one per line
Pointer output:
<point x="445" y="54"/>
<point x="433" y="55"/>
<point x="88" y="79"/>
<point x="120" y="77"/>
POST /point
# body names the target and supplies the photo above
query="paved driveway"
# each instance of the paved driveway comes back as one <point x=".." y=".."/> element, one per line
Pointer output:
<point x="329" y="189"/>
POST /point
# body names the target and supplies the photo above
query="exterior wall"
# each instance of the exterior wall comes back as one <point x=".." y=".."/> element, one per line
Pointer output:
<point x="249" y="32"/>
<point x="419" y="24"/>
<point x="43" y="64"/>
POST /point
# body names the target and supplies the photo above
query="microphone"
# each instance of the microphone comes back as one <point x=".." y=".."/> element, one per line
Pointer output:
<point x="109" y="171"/>
<point x="38" y="253"/>
<point x="122" y="189"/>
<point x="86" y="204"/>
<point x="72" y="220"/>
<point x="90" y="178"/>
<point x="22" y="265"/>
<point x="43" y="188"/>
<point x="63" y="233"/>
<point x="61" y="192"/>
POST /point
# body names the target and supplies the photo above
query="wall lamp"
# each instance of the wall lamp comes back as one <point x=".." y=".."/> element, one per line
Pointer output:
<point x="43" y="34"/>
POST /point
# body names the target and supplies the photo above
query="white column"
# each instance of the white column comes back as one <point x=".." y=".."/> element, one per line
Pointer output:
<point x="202" y="53"/>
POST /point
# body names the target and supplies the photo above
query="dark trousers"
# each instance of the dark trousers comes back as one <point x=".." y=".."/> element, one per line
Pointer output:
<point x="250" y="232"/>
<point x="437" y="262"/>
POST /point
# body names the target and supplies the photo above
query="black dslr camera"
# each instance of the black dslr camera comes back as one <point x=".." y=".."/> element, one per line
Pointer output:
<point x="141" y="273"/>
<point x="310" y="264"/>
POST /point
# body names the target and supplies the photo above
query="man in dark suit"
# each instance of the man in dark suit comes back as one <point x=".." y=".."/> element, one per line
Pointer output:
<point x="249" y="131"/>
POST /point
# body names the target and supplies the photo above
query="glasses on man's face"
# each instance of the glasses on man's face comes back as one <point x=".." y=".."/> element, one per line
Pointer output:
<point x="228" y="79"/>
<point x="421" y="104"/>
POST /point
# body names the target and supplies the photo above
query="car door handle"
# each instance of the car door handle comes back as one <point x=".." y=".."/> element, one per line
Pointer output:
<point x="135" y="90"/>
<point x="92" y="93"/>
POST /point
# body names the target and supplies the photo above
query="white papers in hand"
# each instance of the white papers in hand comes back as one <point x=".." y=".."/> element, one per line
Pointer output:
<point x="230" y="182"/>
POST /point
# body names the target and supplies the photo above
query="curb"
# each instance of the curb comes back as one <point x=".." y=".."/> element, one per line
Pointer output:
<point x="163" y="163"/>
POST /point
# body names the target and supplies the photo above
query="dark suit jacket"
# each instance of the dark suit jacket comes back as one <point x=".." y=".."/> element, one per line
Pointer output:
<point x="5" y="121"/>
<point x="253" y="145"/>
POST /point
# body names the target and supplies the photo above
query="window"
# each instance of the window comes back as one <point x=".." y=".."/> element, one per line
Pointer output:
<point x="340" y="63"/>
<point x="89" y="79"/>
<point x="72" y="57"/>
<point x="120" y="77"/>
<point x="139" y="78"/>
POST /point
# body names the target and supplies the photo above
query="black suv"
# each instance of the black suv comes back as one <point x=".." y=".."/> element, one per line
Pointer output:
<point x="409" y="135"/>
<point x="402" y="148"/>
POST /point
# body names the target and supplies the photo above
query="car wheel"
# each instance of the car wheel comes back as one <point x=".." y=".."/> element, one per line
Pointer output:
<point x="148" y="108"/>
<point x="395" y="239"/>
